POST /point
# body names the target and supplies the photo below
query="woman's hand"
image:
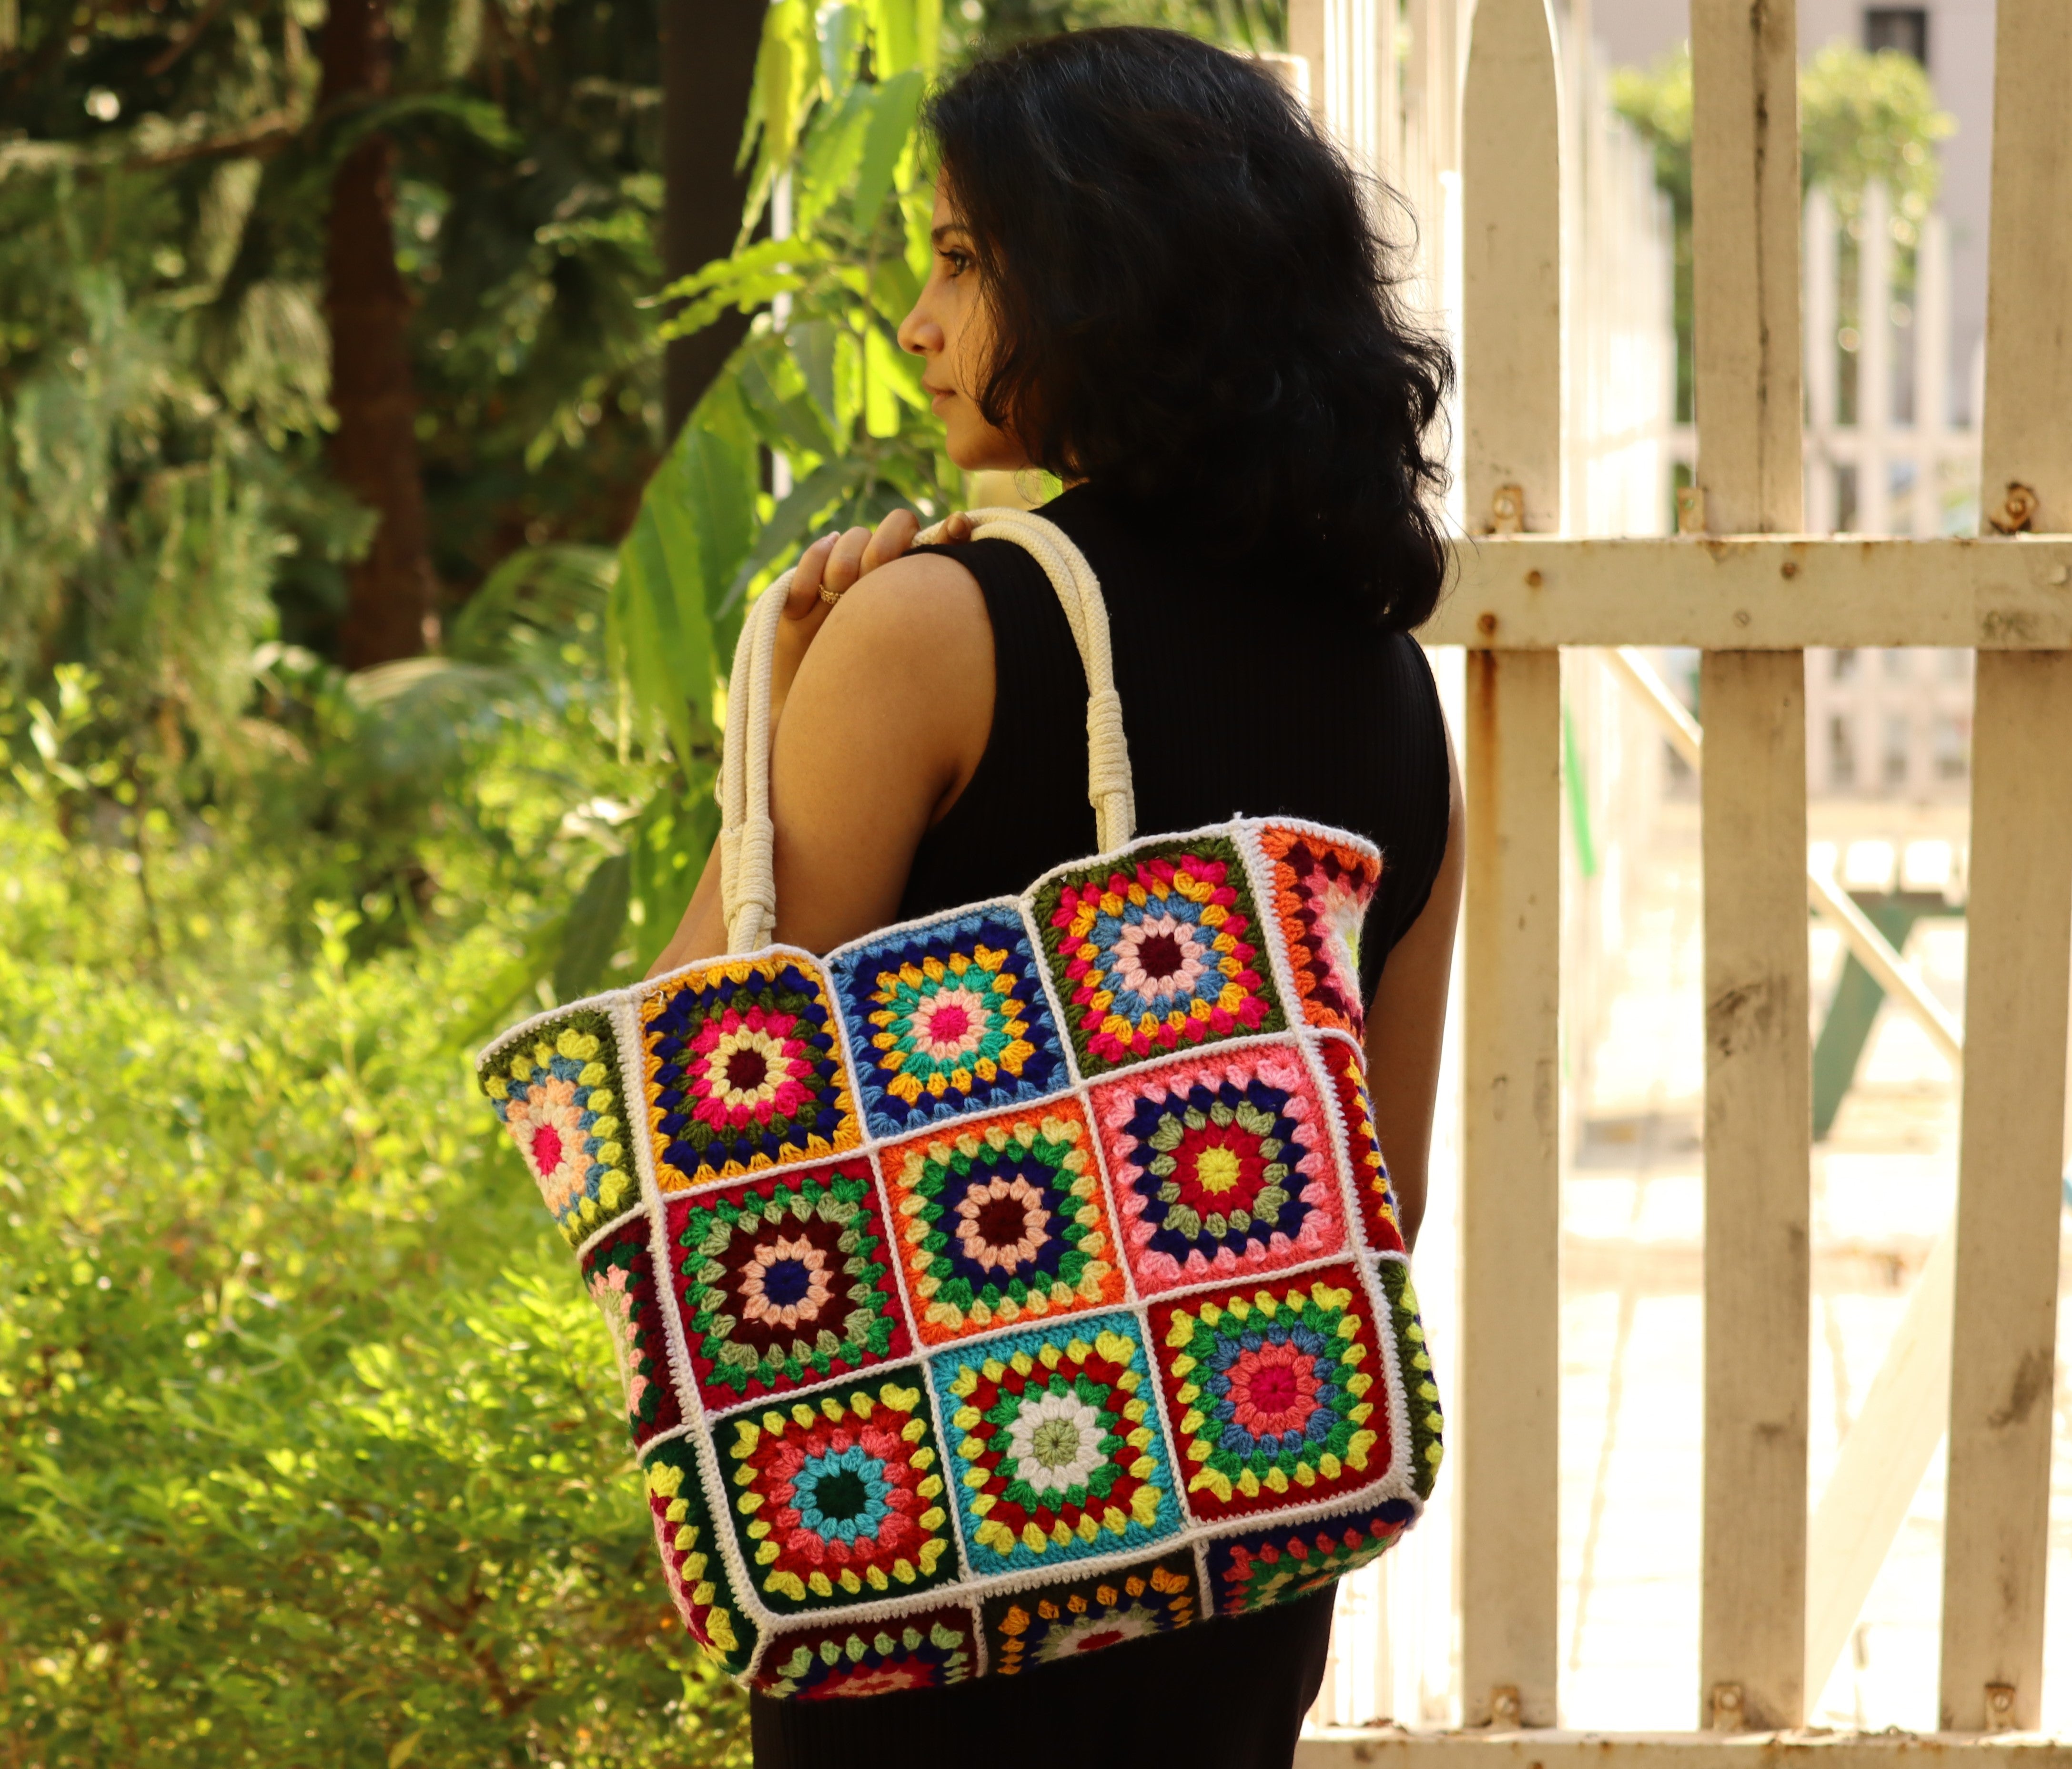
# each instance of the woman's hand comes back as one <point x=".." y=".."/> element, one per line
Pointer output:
<point x="827" y="570"/>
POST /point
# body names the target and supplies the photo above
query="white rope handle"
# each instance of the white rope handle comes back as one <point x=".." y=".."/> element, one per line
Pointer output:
<point x="747" y="855"/>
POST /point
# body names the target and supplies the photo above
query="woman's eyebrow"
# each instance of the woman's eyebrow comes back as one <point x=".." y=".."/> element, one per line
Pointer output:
<point x="937" y="235"/>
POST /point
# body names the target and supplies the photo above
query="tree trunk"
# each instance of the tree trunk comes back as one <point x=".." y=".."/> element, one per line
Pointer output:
<point x="708" y="73"/>
<point x="390" y="609"/>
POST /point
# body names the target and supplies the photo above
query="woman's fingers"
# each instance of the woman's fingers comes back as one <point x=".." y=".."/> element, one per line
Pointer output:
<point x="834" y="563"/>
<point x="846" y="564"/>
<point x="805" y="596"/>
<point x="956" y="526"/>
<point x="895" y="535"/>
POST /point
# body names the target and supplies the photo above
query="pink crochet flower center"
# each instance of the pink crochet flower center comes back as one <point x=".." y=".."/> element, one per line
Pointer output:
<point x="1273" y="1389"/>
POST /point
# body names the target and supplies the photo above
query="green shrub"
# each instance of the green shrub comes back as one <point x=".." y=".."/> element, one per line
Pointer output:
<point x="308" y="1446"/>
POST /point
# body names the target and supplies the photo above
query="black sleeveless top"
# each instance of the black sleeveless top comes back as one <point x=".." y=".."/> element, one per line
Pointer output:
<point x="1243" y="693"/>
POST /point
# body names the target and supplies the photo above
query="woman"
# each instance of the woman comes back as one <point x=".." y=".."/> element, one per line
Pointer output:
<point x="1153" y="277"/>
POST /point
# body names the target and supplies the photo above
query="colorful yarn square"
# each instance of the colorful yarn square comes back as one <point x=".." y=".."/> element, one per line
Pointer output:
<point x="1321" y="889"/>
<point x="620" y="1272"/>
<point x="744" y="1071"/>
<point x="1157" y="952"/>
<point x="1371" y="1186"/>
<point x="559" y="1094"/>
<point x="1055" y="1622"/>
<point x="1413" y="1357"/>
<point x="1274" y="1392"/>
<point x="1000" y="1219"/>
<point x="1221" y="1165"/>
<point x="948" y="1018"/>
<point x="928" y="1651"/>
<point x="838" y="1499"/>
<point x="691" y="1563"/>
<point x="1288" y="1560"/>
<point x="784" y="1281"/>
<point x="1061" y="1453"/>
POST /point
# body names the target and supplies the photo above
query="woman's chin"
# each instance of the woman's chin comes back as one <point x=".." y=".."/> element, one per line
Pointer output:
<point x="987" y="452"/>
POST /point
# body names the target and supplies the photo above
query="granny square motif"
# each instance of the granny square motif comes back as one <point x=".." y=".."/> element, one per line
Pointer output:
<point x="560" y="1094"/>
<point x="929" y="1650"/>
<point x="840" y="1497"/>
<point x="948" y="1017"/>
<point x="1222" y="1165"/>
<point x="1273" y="1391"/>
<point x="1277" y="1565"/>
<point x="1158" y="951"/>
<point x="743" y="1071"/>
<point x="1000" y="1219"/>
<point x="1376" y="1202"/>
<point x="1061" y="1450"/>
<point x="1320" y="892"/>
<point x="784" y="1280"/>
<point x="619" y="1268"/>
<point x="1006" y="1285"/>
<point x="691" y="1563"/>
<point x="1427" y="1429"/>
<point x="1051" y="1623"/>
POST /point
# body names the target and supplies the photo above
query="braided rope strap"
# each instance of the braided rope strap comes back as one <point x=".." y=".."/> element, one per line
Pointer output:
<point x="747" y="851"/>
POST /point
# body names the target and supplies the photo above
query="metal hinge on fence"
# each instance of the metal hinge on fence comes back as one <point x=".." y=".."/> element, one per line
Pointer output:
<point x="1725" y="1711"/>
<point x="1999" y="1707"/>
<point x="2017" y="509"/>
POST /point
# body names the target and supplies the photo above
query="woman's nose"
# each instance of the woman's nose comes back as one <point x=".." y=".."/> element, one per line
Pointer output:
<point x="920" y="336"/>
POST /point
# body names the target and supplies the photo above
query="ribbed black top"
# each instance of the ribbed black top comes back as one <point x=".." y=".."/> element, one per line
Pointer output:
<point x="1243" y="694"/>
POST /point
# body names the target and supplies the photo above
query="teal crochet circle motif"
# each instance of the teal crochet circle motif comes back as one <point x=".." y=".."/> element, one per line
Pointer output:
<point x="842" y="1495"/>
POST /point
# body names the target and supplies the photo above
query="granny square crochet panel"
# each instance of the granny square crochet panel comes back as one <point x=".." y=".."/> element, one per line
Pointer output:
<point x="1006" y="1285"/>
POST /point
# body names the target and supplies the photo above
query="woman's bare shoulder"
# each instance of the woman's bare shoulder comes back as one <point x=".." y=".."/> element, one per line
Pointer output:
<point x="921" y="594"/>
<point x="914" y="621"/>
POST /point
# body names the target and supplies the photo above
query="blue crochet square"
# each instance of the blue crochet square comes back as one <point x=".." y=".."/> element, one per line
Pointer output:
<point x="1054" y="1439"/>
<point x="948" y="1017"/>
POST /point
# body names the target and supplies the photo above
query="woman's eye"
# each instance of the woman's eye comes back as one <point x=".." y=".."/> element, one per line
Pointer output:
<point x="957" y="262"/>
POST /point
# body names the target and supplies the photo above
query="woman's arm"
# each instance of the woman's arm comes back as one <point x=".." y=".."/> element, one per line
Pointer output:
<point x="882" y="727"/>
<point x="1406" y="1024"/>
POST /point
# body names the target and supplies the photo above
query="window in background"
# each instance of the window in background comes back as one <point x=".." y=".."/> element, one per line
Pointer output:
<point x="1903" y="28"/>
<point x="1898" y="738"/>
<point x="1841" y="752"/>
<point x="1952" y="746"/>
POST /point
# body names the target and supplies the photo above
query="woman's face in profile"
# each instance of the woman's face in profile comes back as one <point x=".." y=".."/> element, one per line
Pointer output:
<point x="951" y="329"/>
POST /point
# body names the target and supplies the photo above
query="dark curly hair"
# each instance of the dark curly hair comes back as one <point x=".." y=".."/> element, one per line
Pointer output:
<point x="1192" y="308"/>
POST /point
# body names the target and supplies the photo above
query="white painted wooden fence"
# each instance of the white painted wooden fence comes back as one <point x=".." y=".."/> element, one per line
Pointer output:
<point x="1753" y="592"/>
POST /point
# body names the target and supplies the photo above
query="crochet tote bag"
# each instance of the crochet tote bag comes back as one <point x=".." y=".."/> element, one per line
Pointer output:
<point x="1009" y="1284"/>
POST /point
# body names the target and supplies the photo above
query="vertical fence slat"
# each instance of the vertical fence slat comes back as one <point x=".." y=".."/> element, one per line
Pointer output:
<point x="1931" y="372"/>
<point x="2020" y="915"/>
<point x="1874" y="363"/>
<point x="1744" y="173"/>
<point x="1510" y="1366"/>
<point x="1821" y="388"/>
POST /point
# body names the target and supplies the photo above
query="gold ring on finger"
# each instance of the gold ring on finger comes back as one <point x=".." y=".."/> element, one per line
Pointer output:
<point x="831" y="597"/>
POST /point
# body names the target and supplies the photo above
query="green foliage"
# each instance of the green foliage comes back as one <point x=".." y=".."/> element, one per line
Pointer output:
<point x="821" y="385"/>
<point x="308" y="1446"/>
<point x="1871" y="117"/>
<point x="1861" y="117"/>
<point x="308" y="1453"/>
<point x="162" y="242"/>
